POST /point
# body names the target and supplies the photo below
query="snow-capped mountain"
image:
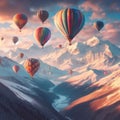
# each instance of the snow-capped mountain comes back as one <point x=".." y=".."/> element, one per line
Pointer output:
<point x="24" y="98"/>
<point x="100" y="104"/>
<point x="70" y="57"/>
<point x="85" y="76"/>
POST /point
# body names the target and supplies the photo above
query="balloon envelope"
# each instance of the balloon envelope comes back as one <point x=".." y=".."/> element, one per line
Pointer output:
<point x="15" y="39"/>
<point x="98" y="25"/>
<point x="21" y="55"/>
<point x="69" y="22"/>
<point x="42" y="35"/>
<point x="2" y="38"/>
<point x="60" y="46"/>
<point x="20" y="20"/>
<point x="31" y="65"/>
<point x="42" y="15"/>
<point x="15" y="68"/>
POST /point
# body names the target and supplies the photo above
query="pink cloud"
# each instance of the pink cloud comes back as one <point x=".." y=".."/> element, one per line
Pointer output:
<point x="115" y="7"/>
<point x="96" y="15"/>
<point x="97" y="11"/>
<point x="90" y="6"/>
<point x="87" y="32"/>
<point x="111" y="32"/>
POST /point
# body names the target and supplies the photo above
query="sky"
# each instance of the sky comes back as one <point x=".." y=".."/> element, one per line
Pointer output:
<point x="106" y="10"/>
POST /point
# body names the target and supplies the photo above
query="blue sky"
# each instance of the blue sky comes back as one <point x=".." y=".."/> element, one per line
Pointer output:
<point x="106" y="10"/>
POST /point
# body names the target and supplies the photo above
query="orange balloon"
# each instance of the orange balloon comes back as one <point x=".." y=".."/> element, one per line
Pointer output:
<point x="15" y="68"/>
<point x="20" y="20"/>
<point x="31" y="65"/>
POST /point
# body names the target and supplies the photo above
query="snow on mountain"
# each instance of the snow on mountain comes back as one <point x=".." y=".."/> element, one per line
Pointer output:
<point x="77" y="70"/>
<point x="23" y="97"/>
<point x="45" y="71"/>
<point x="101" y="104"/>
<point x="70" y="57"/>
<point x="93" y="42"/>
<point x="91" y="75"/>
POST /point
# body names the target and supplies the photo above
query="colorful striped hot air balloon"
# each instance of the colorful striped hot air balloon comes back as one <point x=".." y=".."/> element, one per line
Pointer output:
<point x="42" y="35"/>
<point x="20" y="20"/>
<point x="43" y="15"/>
<point x="31" y="65"/>
<point x="69" y="21"/>
<point x="98" y="25"/>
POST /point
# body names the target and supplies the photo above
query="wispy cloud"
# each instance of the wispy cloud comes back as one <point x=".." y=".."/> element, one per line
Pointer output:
<point x="97" y="11"/>
<point x="111" y="32"/>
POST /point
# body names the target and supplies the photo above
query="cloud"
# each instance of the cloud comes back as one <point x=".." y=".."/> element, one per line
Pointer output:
<point x="111" y="32"/>
<point x="102" y="8"/>
<point x="10" y="7"/>
<point x="88" y="5"/>
<point x="98" y="15"/>
<point x="87" y="32"/>
<point x="97" y="11"/>
<point x="115" y="7"/>
<point x="106" y="4"/>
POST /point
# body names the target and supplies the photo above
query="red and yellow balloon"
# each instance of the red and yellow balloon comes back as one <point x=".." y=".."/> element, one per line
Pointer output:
<point x="20" y="20"/>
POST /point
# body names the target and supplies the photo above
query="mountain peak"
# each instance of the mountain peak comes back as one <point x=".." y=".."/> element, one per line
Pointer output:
<point x="93" y="41"/>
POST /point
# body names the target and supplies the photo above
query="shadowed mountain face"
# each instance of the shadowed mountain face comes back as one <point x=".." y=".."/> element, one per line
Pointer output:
<point x="89" y="92"/>
<point x="25" y="98"/>
<point x="13" y="108"/>
<point x="84" y="112"/>
<point x="100" y="104"/>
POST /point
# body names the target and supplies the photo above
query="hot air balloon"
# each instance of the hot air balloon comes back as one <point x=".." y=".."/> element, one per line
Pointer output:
<point x="60" y="46"/>
<point x="21" y="55"/>
<point x="31" y="65"/>
<point x="42" y="35"/>
<point x="2" y="38"/>
<point x="20" y="20"/>
<point x="98" y="25"/>
<point x="69" y="22"/>
<point x="15" y="39"/>
<point x="15" y="68"/>
<point x="42" y="15"/>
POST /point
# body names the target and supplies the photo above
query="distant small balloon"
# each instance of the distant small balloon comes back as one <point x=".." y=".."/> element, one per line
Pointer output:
<point x="21" y="55"/>
<point x="15" y="68"/>
<point x="15" y="39"/>
<point x="98" y="25"/>
<point x="60" y="46"/>
<point x="20" y="20"/>
<point x="2" y="38"/>
<point x="43" y="15"/>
